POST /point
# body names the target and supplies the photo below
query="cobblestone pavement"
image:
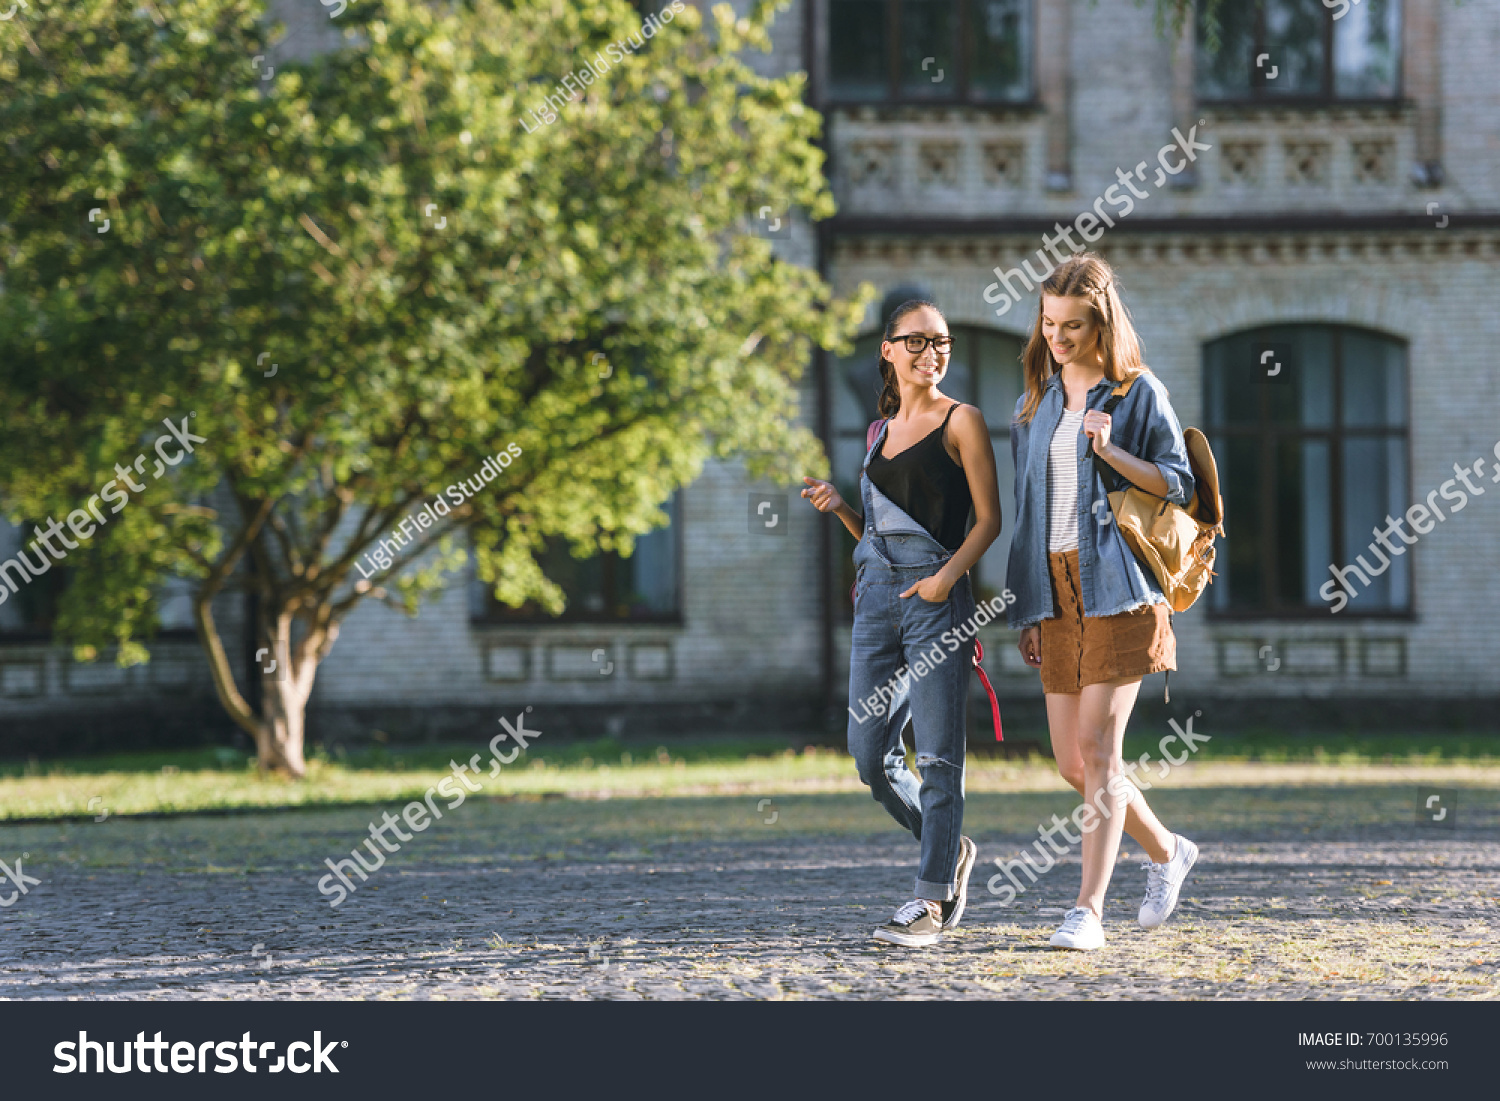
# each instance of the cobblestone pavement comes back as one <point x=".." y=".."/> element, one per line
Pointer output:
<point x="638" y="900"/>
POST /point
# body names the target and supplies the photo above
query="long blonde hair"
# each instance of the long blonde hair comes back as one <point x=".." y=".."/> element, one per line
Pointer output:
<point x="1089" y="277"/>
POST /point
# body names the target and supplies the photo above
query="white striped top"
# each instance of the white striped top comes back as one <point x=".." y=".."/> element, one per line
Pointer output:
<point x="1062" y="483"/>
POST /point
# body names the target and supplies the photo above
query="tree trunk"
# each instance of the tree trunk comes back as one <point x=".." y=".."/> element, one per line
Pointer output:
<point x="278" y="734"/>
<point x="286" y="685"/>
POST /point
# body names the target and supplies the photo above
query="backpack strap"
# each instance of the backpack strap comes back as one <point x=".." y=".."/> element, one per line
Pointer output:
<point x="1116" y="396"/>
<point x="989" y="688"/>
<point x="1108" y="474"/>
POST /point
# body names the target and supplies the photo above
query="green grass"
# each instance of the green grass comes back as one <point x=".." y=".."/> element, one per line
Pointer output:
<point x="587" y="754"/>
<point x="1342" y="747"/>
<point x="1269" y="746"/>
<point x="222" y="779"/>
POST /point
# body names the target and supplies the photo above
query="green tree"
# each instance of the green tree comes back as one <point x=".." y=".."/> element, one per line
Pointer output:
<point x="433" y="273"/>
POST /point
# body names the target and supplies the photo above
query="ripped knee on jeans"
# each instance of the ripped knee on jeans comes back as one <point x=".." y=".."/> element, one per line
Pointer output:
<point x="926" y="759"/>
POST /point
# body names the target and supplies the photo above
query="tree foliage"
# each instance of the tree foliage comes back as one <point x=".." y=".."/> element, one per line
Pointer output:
<point x="431" y="275"/>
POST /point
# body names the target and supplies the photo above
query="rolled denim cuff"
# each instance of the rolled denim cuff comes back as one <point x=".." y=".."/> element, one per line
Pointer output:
<point x="934" y="892"/>
<point x="1176" y="488"/>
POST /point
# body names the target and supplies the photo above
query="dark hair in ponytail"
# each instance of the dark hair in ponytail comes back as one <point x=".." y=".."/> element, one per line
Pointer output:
<point x="890" y="393"/>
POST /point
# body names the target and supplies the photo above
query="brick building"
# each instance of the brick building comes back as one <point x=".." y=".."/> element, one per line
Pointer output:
<point x="1339" y="220"/>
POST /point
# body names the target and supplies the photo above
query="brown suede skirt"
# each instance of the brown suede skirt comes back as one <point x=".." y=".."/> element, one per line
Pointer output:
<point x="1079" y="650"/>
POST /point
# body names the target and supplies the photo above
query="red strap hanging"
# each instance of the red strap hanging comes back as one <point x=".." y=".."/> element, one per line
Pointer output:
<point x="984" y="680"/>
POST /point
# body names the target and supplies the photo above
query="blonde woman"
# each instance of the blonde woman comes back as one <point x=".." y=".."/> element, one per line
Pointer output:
<point x="1093" y="619"/>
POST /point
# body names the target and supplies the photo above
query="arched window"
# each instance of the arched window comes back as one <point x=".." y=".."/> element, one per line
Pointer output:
<point x="1309" y="427"/>
<point x="984" y="370"/>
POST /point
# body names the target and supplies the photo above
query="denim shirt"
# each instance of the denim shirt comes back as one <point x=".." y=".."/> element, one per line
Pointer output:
<point x="1113" y="580"/>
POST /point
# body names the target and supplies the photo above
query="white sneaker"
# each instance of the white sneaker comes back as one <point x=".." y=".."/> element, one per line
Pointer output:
<point x="1163" y="881"/>
<point x="1080" y="929"/>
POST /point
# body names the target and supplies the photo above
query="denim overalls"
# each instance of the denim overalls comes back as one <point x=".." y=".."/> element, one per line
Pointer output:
<point x="901" y="666"/>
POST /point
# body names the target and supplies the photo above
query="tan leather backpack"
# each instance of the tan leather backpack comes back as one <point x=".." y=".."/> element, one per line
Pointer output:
<point x="1176" y="542"/>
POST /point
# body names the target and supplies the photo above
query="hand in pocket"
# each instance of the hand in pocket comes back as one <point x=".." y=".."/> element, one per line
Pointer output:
<point x="932" y="589"/>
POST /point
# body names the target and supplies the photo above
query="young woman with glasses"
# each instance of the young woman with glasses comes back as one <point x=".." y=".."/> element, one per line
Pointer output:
<point x="929" y="463"/>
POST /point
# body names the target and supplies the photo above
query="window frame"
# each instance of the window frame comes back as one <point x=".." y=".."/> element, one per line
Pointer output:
<point x="1327" y="97"/>
<point x="61" y="575"/>
<point x="496" y="614"/>
<point x="962" y="46"/>
<point x="1270" y="435"/>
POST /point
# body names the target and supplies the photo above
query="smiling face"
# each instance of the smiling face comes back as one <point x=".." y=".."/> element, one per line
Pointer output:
<point x="1070" y="330"/>
<point x="924" y="368"/>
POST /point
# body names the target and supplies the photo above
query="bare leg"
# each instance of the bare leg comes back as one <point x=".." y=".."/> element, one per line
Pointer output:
<point x="1140" y="822"/>
<point x="1103" y="710"/>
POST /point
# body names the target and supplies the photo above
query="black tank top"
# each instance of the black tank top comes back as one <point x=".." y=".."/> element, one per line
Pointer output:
<point x="927" y="485"/>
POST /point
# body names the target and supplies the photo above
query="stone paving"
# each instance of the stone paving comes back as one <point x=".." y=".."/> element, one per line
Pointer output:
<point x="519" y="901"/>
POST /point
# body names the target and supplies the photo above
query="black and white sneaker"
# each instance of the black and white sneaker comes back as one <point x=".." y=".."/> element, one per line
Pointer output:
<point x="914" y="926"/>
<point x="953" y="909"/>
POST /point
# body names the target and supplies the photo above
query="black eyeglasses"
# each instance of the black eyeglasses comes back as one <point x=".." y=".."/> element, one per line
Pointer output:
<point x="916" y="343"/>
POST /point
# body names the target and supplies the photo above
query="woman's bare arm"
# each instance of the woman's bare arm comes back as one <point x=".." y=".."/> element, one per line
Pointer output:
<point x="1146" y="475"/>
<point x="1141" y="473"/>
<point x="972" y="436"/>
<point x="826" y="498"/>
